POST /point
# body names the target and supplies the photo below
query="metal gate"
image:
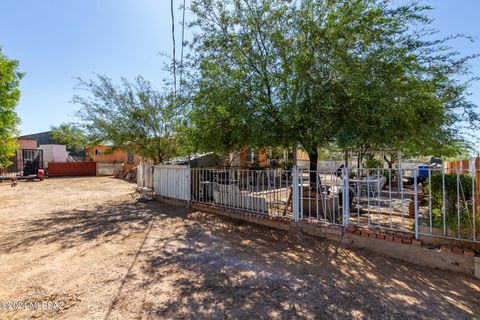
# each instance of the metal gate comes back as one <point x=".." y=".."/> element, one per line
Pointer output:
<point x="172" y="181"/>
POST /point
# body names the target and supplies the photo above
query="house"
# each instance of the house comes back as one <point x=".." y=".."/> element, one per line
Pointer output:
<point x="26" y="145"/>
<point x="42" y="141"/>
<point x="264" y="158"/>
<point x="109" y="161"/>
<point x="40" y="138"/>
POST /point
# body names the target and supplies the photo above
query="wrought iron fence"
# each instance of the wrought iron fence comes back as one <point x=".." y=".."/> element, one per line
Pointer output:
<point x="260" y="191"/>
<point x="432" y="202"/>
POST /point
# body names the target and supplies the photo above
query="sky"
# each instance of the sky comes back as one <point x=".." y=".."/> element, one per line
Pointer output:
<point x="58" y="41"/>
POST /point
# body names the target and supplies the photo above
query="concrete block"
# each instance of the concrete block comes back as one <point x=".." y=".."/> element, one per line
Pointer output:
<point x="333" y="230"/>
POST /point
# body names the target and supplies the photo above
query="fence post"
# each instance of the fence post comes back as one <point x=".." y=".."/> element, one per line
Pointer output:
<point x="295" y="195"/>
<point x="345" y="197"/>
<point x="443" y="204"/>
<point x="415" y="194"/>
<point x="189" y="183"/>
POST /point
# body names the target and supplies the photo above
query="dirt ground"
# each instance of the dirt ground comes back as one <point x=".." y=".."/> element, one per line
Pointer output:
<point x="90" y="244"/>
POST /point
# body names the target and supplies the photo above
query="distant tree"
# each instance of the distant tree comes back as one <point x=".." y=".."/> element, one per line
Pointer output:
<point x="317" y="73"/>
<point x="133" y="117"/>
<point x="9" y="96"/>
<point x="71" y="135"/>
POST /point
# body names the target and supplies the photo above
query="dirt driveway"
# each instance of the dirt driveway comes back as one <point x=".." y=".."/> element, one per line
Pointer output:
<point x="99" y="253"/>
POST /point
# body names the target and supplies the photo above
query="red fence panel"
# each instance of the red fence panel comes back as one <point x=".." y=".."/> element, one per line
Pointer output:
<point x="72" y="169"/>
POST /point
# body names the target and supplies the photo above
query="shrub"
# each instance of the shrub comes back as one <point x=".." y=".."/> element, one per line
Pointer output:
<point x="451" y="195"/>
<point x="451" y="218"/>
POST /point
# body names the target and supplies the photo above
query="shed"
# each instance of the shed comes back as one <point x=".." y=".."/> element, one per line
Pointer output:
<point x="199" y="160"/>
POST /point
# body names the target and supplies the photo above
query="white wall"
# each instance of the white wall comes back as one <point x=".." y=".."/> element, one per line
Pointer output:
<point x="54" y="152"/>
<point x="108" y="169"/>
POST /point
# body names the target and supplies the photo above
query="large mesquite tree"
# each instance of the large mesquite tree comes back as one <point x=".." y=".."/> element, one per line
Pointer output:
<point x="312" y="73"/>
<point x="263" y="77"/>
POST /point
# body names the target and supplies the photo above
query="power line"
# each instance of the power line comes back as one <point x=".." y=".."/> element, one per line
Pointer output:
<point x="174" y="54"/>
<point x="181" y="53"/>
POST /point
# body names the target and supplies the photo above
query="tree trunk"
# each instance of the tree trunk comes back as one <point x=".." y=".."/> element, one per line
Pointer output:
<point x="313" y="158"/>
<point x="390" y="162"/>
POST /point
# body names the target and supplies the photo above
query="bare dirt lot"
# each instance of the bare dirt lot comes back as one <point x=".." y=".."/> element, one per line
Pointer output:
<point x="104" y="254"/>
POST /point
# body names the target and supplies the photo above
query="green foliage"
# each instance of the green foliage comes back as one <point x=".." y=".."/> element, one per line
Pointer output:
<point x="463" y="181"/>
<point x="286" y="165"/>
<point x="372" y="163"/>
<point x="70" y="135"/>
<point x="400" y="88"/>
<point x="9" y="96"/>
<point x="326" y="154"/>
<point x="388" y="175"/>
<point x="315" y="73"/>
<point x="465" y="229"/>
<point x="255" y="83"/>
<point x="453" y="204"/>
<point x="133" y="117"/>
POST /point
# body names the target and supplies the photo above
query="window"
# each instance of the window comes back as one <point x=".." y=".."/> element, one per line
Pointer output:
<point x="98" y="152"/>
<point x="129" y="157"/>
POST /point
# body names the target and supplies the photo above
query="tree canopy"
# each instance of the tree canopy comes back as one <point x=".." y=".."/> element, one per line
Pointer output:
<point x="315" y="73"/>
<point x="71" y="135"/>
<point x="133" y="116"/>
<point x="9" y="96"/>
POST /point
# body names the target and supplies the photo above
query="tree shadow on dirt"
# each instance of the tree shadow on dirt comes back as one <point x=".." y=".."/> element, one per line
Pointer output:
<point x="197" y="265"/>
<point x="220" y="268"/>
<point x="113" y="221"/>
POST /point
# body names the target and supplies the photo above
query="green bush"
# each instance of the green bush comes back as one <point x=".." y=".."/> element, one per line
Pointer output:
<point x="451" y="218"/>
<point x="464" y="182"/>
<point x="451" y="195"/>
<point x="372" y="163"/>
<point x="454" y="204"/>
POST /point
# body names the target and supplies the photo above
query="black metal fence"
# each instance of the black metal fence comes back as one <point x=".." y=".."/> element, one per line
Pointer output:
<point x="25" y="163"/>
